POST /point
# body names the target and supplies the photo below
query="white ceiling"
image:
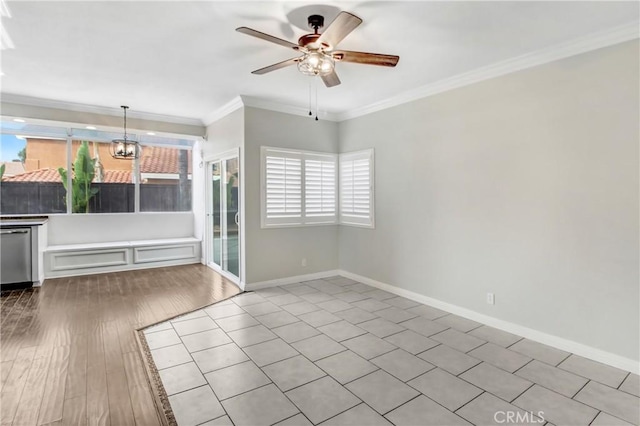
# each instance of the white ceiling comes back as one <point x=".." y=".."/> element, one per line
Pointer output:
<point x="184" y="58"/>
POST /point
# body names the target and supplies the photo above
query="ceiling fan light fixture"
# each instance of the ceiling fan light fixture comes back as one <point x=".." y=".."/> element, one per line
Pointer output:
<point x="316" y="63"/>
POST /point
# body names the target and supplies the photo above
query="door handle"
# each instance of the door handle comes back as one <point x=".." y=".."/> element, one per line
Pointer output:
<point x="15" y="231"/>
<point x="237" y="218"/>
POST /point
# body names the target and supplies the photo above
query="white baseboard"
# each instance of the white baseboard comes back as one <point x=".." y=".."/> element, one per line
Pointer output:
<point x="580" y="349"/>
<point x="290" y="280"/>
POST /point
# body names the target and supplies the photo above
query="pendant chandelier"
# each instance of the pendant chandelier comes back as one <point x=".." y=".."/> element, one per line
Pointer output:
<point x="125" y="149"/>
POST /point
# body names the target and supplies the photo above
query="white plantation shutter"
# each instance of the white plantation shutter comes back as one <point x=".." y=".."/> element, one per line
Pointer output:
<point x="282" y="187"/>
<point x="297" y="187"/>
<point x="320" y="188"/>
<point x="356" y="188"/>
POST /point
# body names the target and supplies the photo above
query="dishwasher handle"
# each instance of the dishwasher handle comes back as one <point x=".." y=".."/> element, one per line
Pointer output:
<point x="14" y="231"/>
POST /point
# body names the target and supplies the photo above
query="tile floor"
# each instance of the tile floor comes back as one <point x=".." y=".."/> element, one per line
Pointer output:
<point x="338" y="352"/>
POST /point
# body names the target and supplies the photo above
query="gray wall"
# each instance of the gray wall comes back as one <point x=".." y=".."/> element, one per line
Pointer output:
<point x="525" y="186"/>
<point x="224" y="135"/>
<point x="278" y="252"/>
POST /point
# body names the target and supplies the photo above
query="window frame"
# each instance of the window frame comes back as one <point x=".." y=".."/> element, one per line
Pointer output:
<point x="352" y="220"/>
<point x="303" y="219"/>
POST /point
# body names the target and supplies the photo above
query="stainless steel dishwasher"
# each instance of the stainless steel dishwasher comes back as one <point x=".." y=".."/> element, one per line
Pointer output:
<point x="15" y="255"/>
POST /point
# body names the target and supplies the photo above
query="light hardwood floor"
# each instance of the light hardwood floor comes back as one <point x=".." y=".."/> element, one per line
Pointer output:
<point x="68" y="351"/>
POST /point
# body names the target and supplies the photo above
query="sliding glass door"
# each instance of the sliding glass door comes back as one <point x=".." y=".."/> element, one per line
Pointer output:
<point x="223" y="233"/>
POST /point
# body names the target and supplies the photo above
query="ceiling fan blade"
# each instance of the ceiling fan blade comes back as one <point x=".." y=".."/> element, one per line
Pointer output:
<point x="366" y="58"/>
<point x="267" y="37"/>
<point x="276" y="66"/>
<point x="337" y="30"/>
<point x="331" y="80"/>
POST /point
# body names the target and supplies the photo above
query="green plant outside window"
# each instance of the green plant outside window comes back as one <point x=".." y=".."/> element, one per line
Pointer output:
<point x="83" y="174"/>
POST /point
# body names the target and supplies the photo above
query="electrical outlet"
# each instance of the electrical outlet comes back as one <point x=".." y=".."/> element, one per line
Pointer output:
<point x="304" y="261"/>
<point x="491" y="299"/>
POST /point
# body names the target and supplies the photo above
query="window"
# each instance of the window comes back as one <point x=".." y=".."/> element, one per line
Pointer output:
<point x="39" y="162"/>
<point x="100" y="183"/>
<point x="31" y="180"/>
<point x="320" y="187"/>
<point x="283" y="188"/>
<point x="298" y="187"/>
<point x="165" y="179"/>
<point x="356" y="188"/>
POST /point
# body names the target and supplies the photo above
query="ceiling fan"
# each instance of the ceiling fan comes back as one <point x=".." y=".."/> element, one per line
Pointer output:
<point x="318" y="54"/>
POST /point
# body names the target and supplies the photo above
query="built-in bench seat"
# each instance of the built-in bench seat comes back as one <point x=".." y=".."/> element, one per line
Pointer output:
<point x="88" y="258"/>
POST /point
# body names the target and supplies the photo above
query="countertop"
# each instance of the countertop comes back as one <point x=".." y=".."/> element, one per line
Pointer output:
<point x="23" y="221"/>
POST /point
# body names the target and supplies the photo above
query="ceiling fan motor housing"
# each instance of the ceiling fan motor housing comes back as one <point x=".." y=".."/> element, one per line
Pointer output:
<point x="310" y="41"/>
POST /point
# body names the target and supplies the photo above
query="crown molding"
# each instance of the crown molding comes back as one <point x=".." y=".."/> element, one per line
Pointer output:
<point x="287" y="109"/>
<point x="92" y="109"/>
<point x="224" y="110"/>
<point x="574" y="47"/>
<point x="255" y="102"/>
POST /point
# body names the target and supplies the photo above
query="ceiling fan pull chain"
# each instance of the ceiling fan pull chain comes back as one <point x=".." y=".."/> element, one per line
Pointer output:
<point x="316" y="84"/>
<point x="310" y="114"/>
